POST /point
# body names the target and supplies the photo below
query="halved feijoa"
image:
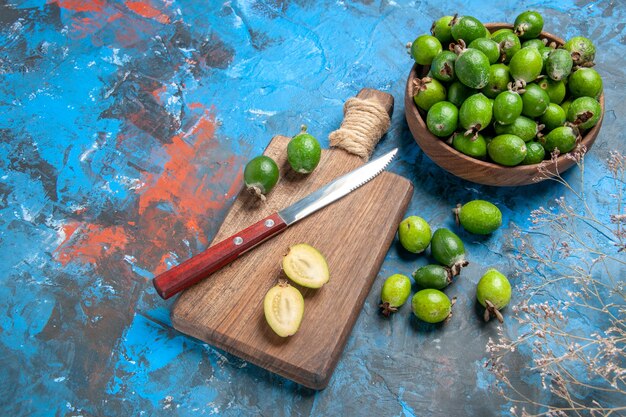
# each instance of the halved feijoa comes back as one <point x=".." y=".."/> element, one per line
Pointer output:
<point x="284" y="308"/>
<point x="306" y="266"/>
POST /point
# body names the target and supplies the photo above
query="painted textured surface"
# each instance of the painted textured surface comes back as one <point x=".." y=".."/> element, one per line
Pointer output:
<point x="124" y="127"/>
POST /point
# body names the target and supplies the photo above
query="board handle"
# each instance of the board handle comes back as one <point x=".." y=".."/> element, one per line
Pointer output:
<point x="217" y="256"/>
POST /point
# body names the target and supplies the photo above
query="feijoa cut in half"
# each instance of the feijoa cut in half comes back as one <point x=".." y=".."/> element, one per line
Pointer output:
<point x="284" y="308"/>
<point x="306" y="266"/>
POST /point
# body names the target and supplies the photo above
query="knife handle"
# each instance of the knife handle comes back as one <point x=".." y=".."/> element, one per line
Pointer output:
<point x="217" y="256"/>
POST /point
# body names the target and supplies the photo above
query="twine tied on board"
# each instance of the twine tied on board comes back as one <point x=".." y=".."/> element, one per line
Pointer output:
<point x="364" y="123"/>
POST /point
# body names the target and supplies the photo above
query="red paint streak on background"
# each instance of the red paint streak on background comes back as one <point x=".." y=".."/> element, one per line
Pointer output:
<point x="175" y="206"/>
<point x="146" y="10"/>
<point x="81" y="5"/>
<point x="93" y="243"/>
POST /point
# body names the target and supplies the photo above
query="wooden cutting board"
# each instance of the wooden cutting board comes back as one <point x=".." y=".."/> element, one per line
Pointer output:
<point x="354" y="234"/>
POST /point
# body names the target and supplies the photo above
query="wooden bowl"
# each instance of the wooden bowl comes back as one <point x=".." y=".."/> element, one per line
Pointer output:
<point x="472" y="169"/>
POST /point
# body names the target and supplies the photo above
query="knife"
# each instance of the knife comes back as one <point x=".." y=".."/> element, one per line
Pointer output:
<point x="219" y="255"/>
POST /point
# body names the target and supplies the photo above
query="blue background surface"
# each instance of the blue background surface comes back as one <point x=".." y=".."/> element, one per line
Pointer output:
<point x="124" y="127"/>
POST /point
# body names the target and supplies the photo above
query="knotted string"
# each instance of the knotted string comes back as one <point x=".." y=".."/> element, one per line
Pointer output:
<point x="364" y="123"/>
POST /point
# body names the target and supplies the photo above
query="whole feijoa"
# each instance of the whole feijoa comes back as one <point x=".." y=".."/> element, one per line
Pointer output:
<point x="425" y="48"/>
<point x="442" y="119"/>
<point x="475" y="113"/>
<point x="555" y="89"/>
<point x="448" y="249"/>
<point x="499" y="78"/>
<point x="431" y="306"/>
<point x="260" y="175"/>
<point x="475" y="146"/>
<point x="458" y="93"/>
<point x="562" y="138"/>
<point x="442" y="67"/>
<point x="467" y="28"/>
<point x="526" y="65"/>
<point x="433" y="276"/>
<point x="507" y="150"/>
<point x="507" y="107"/>
<point x="585" y="82"/>
<point x="509" y="43"/>
<point x="478" y="216"/>
<point x="414" y="234"/>
<point x="559" y="64"/>
<point x="533" y="43"/>
<point x="528" y="24"/>
<point x="535" y="101"/>
<point x="472" y="68"/>
<point x="427" y="92"/>
<point x="493" y="292"/>
<point x="442" y="30"/>
<point x="523" y="127"/>
<point x="535" y="153"/>
<point x="553" y="117"/>
<point x="582" y="50"/>
<point x="395" y="292"/>
<point x="304" y="152"/>
<point x="490" y="48"/>
<point x="584" y="112"/>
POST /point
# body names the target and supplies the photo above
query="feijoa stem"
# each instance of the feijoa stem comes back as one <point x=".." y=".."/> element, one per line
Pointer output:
<point x="387" y="309"/>
<point x="490" y="310"/>
<point x="457" y="211"/>
<point x="256" y="191"/>
<point x="455" y="269"/>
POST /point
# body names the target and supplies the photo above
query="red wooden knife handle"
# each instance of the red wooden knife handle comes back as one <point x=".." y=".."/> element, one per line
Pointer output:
<point x="204" y="264"/>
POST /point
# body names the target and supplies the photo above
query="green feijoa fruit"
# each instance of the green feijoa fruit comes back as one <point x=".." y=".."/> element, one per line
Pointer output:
<point x="507" y="107"/>
<point x="556" y="89"/>
<point x="585" y="82"/>
<point x="562" y="138"/>
<point x="414" y="234"/>
<point x="499" y="78"/>
<point x="442" y="67"/>
<point x="467" y="28"/>
<point x="260" y="175"/>
<point x="526" y="65"/>
<point x="431" y="306"/>
<point x="493" y="292"/>
<point x="507" y="150"/>
<point x="534" y="153"/>
<point x="475" y="147"/>
<point x="553" y="117"/>
<point x="522" y="127"/>
<point x="304" y="152"/>
<point x="284" y="308"/>
<point x="490" y="48"/>
<point x="458" y="93"/>
<point x="584" y="112"/>
<point x="395" y="292"/>
<point x="448" y="249"/>
<point x="472" y="68"/>
<point x="442" y="119"/>
<point x="509" y="43"/>
<point x="565" y="105"/>
<point x="433" y="276"/>
<point x="535" y="101"/>
<point x="582" y="50"/>
<point x="442" y="30"/>
<point x="559" y="64"/>
<point x="425" y="48"/>
<point x="545" y="52"/>
<point x="475" y="113"/>
<point x="428" y="92"/>
<point x="534" y="43"/>
<point x="478" y="216"/>
<point x="306" y="266"/>
<point x="528" y="24"/>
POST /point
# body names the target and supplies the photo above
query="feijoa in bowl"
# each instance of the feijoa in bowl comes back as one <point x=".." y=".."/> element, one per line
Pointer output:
<point x="468" y="167"/>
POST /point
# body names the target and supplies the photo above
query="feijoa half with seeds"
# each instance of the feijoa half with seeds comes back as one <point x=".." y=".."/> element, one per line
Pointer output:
<point x="395" y="292"/>
<point x="305" y="265"/>
<point x="284" y="308"/>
